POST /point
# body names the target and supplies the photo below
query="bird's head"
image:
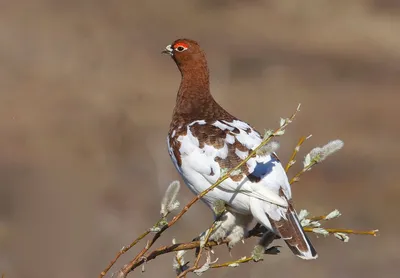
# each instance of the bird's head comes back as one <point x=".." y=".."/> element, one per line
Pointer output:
<point x="186" y="53"/>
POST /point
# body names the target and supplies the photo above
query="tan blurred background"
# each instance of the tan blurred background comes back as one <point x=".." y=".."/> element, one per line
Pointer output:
<point x="85" y="103"/>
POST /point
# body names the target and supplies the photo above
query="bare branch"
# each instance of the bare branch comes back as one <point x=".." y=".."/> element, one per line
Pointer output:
<point x="125" y="249"/>
<point x="292" y="160"/>
<point x="233" y="263"/>
<point x="345" y="231"/>
<point x="196" y="244"/>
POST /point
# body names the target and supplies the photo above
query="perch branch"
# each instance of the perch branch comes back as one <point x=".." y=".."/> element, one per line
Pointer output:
<point x="196" y="244"/>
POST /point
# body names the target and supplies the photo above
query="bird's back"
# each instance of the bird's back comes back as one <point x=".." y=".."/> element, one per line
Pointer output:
<point x="203" y="150"/>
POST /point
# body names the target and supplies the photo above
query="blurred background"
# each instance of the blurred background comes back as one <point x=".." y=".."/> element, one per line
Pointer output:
<point x="86" y="99"/>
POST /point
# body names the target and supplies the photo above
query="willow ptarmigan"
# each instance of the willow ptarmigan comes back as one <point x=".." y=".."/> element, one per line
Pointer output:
<point x="204" y="139"/>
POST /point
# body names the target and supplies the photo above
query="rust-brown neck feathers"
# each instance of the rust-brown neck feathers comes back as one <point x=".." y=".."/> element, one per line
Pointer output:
<point x="194" y="100"/>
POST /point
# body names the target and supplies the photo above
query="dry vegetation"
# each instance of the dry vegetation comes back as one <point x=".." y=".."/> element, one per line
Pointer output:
<point x="85" y="101"/>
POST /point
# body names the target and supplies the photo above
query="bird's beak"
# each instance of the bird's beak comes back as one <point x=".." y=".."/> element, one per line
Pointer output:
<point x="168" y="50"/>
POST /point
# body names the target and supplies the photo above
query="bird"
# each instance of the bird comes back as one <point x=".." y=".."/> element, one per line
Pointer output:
<point x="204" y="140"/>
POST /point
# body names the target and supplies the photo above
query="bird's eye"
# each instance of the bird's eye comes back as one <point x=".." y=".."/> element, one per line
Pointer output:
<point x="180" y="47"/>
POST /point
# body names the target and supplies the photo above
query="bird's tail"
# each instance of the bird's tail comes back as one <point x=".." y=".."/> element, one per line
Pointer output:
<point x="292" y="232"/>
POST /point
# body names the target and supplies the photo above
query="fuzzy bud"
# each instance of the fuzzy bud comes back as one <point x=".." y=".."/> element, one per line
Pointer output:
<point x="169" y="202"/>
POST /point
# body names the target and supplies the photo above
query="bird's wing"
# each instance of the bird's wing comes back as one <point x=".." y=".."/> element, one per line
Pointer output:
<point x="211" y="148"/>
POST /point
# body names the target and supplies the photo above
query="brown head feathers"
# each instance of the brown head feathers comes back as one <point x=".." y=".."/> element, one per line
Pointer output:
<point x="194" y="100"/>
<point x="187" y="55"/>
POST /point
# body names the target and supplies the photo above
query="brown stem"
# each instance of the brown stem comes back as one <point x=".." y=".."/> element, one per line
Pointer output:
<point x="240" y="261"/>
<point x="318" y="218"/>
<point x="295" y="151"/>
<point x="296" y="178"/>
<point x="126" y="249"/>
<point x="196" y="263"/>
<point x="196" y="244"/>
<point x="345" y="231"/>
<point x="171" y="248"/>
<point x="121" y="252"/>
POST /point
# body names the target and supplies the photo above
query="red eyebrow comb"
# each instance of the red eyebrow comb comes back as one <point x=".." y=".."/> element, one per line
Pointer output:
<point x="181" y="44"/>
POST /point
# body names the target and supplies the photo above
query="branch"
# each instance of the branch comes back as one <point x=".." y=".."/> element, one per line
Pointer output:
<point x="202" y="246"/>
<point x="168" y="249"/>
<point x="343" y="231"/>
<point x="292" y="160"/>
<point x="197" y="244"/>
<point x="125" y="249"/>
<point x="317" y="155"/>
<point x="233" y="263"/>
<point x="296" y="177"/>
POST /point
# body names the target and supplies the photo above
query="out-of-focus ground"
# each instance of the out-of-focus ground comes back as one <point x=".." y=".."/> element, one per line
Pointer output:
<point x="85" y="103"/>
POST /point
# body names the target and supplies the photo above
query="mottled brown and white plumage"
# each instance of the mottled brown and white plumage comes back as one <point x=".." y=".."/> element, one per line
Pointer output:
<point x="204" y="139"/>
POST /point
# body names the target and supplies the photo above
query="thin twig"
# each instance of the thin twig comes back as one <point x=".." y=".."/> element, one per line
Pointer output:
<point x="126" y="249"/>
<point x="196" y="244"/>
<point x="295" y="151"/>
<point x="317" y="218"/>
<point x="296" y="177"/>
<point x="179" y="260"/>
<point x="196" y="263"/>
<point x="171" y="248"/>
<point x="345" y="231"/>
<point x="316" y="156"/>
<point x="233" y="263"/>
<point x="190" y="269"/>
<point x="323" y="217"/>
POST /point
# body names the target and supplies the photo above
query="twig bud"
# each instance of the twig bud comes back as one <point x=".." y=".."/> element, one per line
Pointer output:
<point x="269" y="148"/>
<point x="320" y="231"/>
<point x="169" y="202"/>
<point x="333" y="214"/>
<point x="342" y="236"/>
<point x="321" y="153"/>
